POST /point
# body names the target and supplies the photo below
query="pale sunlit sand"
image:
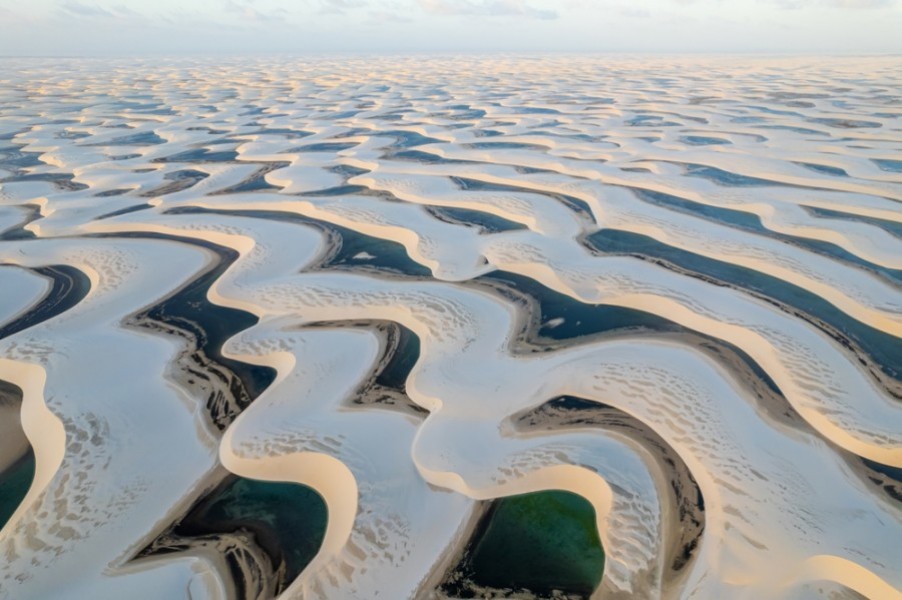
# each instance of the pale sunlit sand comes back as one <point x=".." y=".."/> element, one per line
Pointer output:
<point x="669" y="286"/>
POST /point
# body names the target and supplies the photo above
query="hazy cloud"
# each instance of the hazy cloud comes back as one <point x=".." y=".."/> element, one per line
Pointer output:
<point x="80" y="9"/>
<point x="851" y="4"/>
<point x="248" y="12"/>
<point x="121" y="9"/>
<point x="385" y="16"/>
<point x="85" y="10"/>
<point x="858" y="3"/>
<point x="104" y="27"/>
<point x="633" y="12"/>
<point x="797" y="4"/>
<point x="486" y="8"/>
<point x="332" y="7"/>
<point x="11" y="17"/>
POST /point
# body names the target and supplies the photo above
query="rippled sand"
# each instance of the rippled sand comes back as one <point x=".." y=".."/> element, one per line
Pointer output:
<point x="210" y="264"/>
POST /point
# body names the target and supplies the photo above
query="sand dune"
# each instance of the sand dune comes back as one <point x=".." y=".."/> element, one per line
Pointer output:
<point x="206" y="268"/>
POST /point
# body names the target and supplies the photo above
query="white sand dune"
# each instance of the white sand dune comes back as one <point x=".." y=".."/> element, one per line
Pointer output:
<point x="89" y="505"/>
<point x="331" y="198"/>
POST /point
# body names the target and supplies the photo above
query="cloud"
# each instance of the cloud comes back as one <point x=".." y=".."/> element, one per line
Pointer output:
<point x="858" y="3"/>
<point x="797" y="4"/>
<point x="486" y="8"/>
<point x="634" y="13"/>
<point x="9" y="16"/>
<point x="339" y="7"/>
<point x="125" y="11"/>
<point x="850" y="4"/>
<point x="92" y="11"/>
<point x="249" y="13"/>
<point x="85" y="10"/>
<point x="389" y="16"/>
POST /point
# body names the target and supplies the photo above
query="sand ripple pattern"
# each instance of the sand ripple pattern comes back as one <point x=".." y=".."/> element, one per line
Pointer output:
<point x="734" y="224"/>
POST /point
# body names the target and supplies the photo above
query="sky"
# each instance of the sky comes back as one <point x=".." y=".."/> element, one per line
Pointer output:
<point x="190" y="27"/>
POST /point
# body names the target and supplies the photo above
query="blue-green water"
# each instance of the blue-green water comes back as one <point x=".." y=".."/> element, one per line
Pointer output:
<point x="147" y="138"/>
<point x="751" y="222"/>
<point x="699" y="140"/>
<point x="178" y="181"/>
<point x="256" y="182"/>
<point x="282" y="131"/>
<point x="395" y="373"/>
<point x="14" y="484"/>
<point x="112" y="192"/>
<point x="888" y="164"/>
<point x="571" y="202"/>
<point x="845" y="123"/>
<point x="200" y="155"/>
<point x="288" y="520"/>
<point x="888" y="226"/>
<point x="67" y="288"/>
<point x="339" y="190"/>
<point x="126" y="210"/>
<point x="825" y="169"/>
<point x="727" y="178"/>
<point x="427" y="158"/>
<point x="582" y="319"/>
<point x="486" y="222"/>
<point x="505" y="146"/>
<point x="388" y="255"/>
<point x="322" y="147"/>
<point x="579" y="318"/>
<point x="883" y="348"/>
<point x="211" y="325"/>
<point x="538" y="542"/>
<point x="892" y="484"/>
<point x="60" y="180"/>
